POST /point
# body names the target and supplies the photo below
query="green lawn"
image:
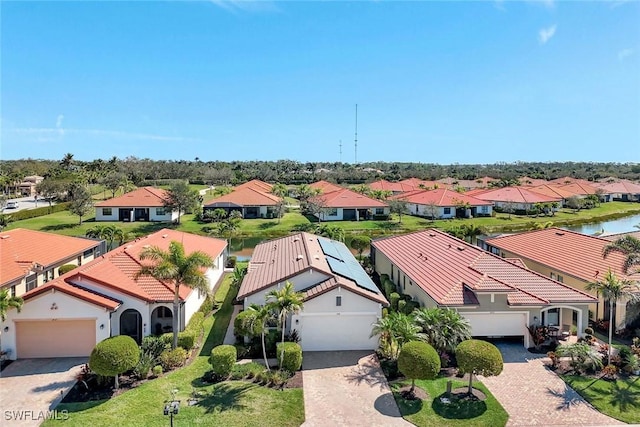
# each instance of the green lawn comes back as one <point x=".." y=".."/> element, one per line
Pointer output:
<point x="429" y="413"/>
<point x="619" y="399"/>
<point x="232" y="403"/>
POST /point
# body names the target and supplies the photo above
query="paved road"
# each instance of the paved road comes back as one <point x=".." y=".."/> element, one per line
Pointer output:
<point x="26" y="203"/>
<point x="30" y="388"/>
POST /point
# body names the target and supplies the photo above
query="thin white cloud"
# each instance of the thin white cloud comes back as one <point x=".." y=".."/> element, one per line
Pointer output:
<point x="46" y="134"/>
<point x="625" y="53"/>
<point x="235" y="6"/>
<point x="545" y="34"/>
<point x="59" y="124"/>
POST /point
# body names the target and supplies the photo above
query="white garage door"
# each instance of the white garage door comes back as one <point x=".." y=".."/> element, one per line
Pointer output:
<point x="59" y="338"/>
<point x="496" y="324"/>
<point x="337" y="332"/>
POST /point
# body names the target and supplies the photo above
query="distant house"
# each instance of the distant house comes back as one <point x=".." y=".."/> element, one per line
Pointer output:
<point x="341" y="302"/>
<point x="566" y="256"/>
<point x="581" y="188"/>
<point x="421" y="184"/>
<point x="325" y="186"/>
<point x="67" y="316"/>
<point x="526" y="181"/>
<point x="499" y="297"/>
<point x="623" y="190"/>
<point x="393" y="187"/>
<point x="142" y="204"/>
<point x="514" y="199"/>
<point x="558" y="191"/>
<point x="29" y="258"/>
<point x="444" y="203"/>
<point x="27" y="187"/>
<point x="256" y="184"/>
<point x="249" y="201"/>
<point x="347" y="205"/>
<point x="467" y="184"/>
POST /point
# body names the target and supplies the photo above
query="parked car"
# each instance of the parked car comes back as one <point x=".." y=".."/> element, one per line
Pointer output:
<point x="12" y="204"/>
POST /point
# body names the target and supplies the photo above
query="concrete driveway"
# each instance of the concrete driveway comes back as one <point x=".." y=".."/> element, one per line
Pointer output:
<point x="30" y="388"/>
<point x="535" y="396"/>
<point x="347" y="388"/>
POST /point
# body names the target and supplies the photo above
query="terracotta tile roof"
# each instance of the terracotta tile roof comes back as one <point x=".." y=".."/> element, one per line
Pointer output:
<point x="554" y="191"/>
<point x="394" y="187"/>
<point x="621" y="187"/>
<point x="452" y="271"/>
<point x="245" y="196"/>
<point x="569" y="180"/>
<point x="616" y="236"/>
<point x="278" y="260"/>
<point x="75" y="291"/>
<point x="515" y="195"/>
<point x="139" y="198"/>
<point x="575" y="254"/>
<point x="579" y="187"/>
<point x="116" y="269"/>
<point x="256" y="184"/>
<point x="20" y="249"/>
<point x="526" y="181"/>
<point x="442" y="197"/>
<point x="325" y="187"/>
<point x="416" y="183"/>
<point x="346" y="198"/>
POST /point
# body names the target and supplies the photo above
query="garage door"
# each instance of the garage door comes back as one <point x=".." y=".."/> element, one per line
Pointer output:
<point x="337" y="332"/>
<point x="496" y="324"/>
<point x="55" y="338"/>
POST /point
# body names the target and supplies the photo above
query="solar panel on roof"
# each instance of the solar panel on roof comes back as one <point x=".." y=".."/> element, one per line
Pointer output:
<point x="330" y="248"/>
<point x="342" y="262"/>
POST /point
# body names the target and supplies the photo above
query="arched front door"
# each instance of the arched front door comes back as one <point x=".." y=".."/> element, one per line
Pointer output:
<point x="131" y="324"/>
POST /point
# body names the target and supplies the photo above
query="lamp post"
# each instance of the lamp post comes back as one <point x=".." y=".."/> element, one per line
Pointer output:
<point x="172" y="407"/>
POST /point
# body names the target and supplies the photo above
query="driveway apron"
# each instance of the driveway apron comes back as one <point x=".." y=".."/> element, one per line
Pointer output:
<point x="535" y="396"/>
<point x="30" y="389"/>
<point x="347" y="388"/>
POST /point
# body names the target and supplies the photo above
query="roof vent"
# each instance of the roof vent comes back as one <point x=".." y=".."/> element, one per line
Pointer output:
<point x="299" y="257"/>
<point x="296" y="239"/>
<point x="461" y="248"/>
<point x="5" y="236"/>
<point x="559" y="233"/>
<point x="146" y="246"/>
<point x="432" y="234"/>
<point x="164" y="236"/>
<point x="275" y="247"/>
<point x="449" y="245"/>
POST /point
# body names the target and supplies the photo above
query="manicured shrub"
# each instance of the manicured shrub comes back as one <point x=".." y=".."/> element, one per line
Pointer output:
<point x="66" y="268"/>
<point x="402" y="306"/>
<point x="222" y="359"/>
<point x="171" y="359"/>
<point x="195" y="323"/>
<point x="292" y="356"/>
<point x="167" y="338"/>
<point x="157" y="370"/>
<point x="114" y="356"/>
<point x="242" y="324"/>
<point x="418" y="361"/>
<point x="144" y="365"/>
<point x="410" y="306"/>
<point x="186" y="339"/>
<point x="478" y="357"/>
<point x="393" y="299"/>
<point x="42" y="211"/>
<point x="208" y="305"/>
<point x="154" y="346"/>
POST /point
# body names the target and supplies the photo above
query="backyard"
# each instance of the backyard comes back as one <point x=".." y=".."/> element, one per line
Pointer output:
<point x="229" y="403"/>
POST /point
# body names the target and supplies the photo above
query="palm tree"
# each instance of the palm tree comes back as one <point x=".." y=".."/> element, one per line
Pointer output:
<point x="259" y="321"/>
<point x="613" y="290"/>
<point x="397" y="329"/>
<point x="238" y="275"/>
<point x="174" y="266"/>
<point x="8" y="301"/>
<point x="444" y="328"/>
<point x="285" y="301"/>
<point x="280" y="191"/>
<point x="628" y="246"/>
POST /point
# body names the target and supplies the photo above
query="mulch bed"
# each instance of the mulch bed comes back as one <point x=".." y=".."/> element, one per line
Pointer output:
<point x="461" y="393"/>
<point x="79" y="392"/>
<point x="295" y="381"/>
<point x="418" y="393"/>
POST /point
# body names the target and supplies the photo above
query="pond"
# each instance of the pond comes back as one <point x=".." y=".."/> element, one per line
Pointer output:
<point x="614" y="226"/>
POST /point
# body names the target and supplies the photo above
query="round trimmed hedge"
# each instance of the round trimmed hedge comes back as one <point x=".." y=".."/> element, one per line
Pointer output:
<point x="114" y="356"/>
<point x="479" y="357"/>
<point x="419" y="361"/>
<point x="291" y="358"/>
<point x="222" y="359"/>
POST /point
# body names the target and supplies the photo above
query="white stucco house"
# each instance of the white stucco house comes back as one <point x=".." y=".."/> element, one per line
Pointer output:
<point x="341" y="302"/>
<point x="443" y="203"/>
<point x="141" y="204"/>
<point x="67" y="316"/>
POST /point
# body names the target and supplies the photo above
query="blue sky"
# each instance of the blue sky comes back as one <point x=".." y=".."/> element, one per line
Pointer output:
<point x="441" y="82"/>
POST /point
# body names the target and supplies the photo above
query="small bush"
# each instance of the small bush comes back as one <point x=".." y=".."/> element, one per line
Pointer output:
<point x="157" y="370"/>
<point x="186" y="339"/>
<point x="411" y="306"/>
<point x="114" y="356"/>
<point x="241" y="325"/>
<point x="195" y="323"/>
<point x="66" y="268"/>
<point x="208" y="305"/>
<point x="479" y="357"/>
<point x="418" y="361"/>
<point x="171" y="359"/>
<point x="167" y="338"/>
<point x="154" y="346"/>
<point x="291" y="358"/>
<point x="247" y="370"/>
<point x="142" y="369"/>
<point x="393" y="299"/>
<point x="222" y="359"/>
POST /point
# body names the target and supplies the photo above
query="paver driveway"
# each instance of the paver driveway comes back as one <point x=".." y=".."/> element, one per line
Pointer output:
<point x="29" y="388"/>
<point x="347" y="388"/>
<point x="534" y="396"/>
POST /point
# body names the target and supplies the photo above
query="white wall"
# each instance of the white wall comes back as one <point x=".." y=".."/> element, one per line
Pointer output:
<point x="303" y="280"/>
<point x="417" y="209"/>
<point x="113" y="217"/>
<point x="324" y="216"/>
<point x="351" y="303"/>
<point x="39" y="308"/>
<point x="169" y="216"/>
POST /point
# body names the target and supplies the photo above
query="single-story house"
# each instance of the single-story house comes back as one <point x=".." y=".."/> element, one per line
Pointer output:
<point x="581" y="188"/>
<point x="347" y="205"/>
<point x="69" y="315"/>
<point x="623" y="190"/>
<point x="29" y="258"/>
<point x="444" y="203"/>
<point x="256" y="184"/>
<point x="141" y="204"/>
<point x="249" y="201"/>
<point x="555" y="191"/>
<point x="499" y="297"/>
<point x="566" y="256"/>
<point x="526" y="181"/>
<point x="515" y="199"/>
<point x="341" y="302"/>
<point x="421" y="184"/>
<point x="325" y="186"/>
<point x="393" y="187"/>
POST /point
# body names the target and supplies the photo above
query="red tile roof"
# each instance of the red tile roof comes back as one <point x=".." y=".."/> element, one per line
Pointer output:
<point x="116" y="270"/>
<point x="451" y="271"/>
<point x="245" y="196"/>
<point x="20" y="249"/>
<point x="75" y="291"/>
<point x="394" y="187"/>
<point x="616" y="236"/>
<point x="553" y="191"/>
<point x="569" y="180"/>
<point x="575" y="254"/>
<point x="419" y="183"/>
<point x="278" y="260"/>
<point x="256" y="184"/>
<point x="325" y="187"/>
<point x="515" y="195"/>
<point x="579" y="187"/>
<point x="621" y="187"/>
<point x="441" y="197"/>
<point x="346" y="198"/>
<point x="139" y="198"/>
<point x="526" y="181"/>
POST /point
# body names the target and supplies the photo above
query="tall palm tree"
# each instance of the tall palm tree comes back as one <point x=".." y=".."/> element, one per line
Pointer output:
<point x="280" y="190"/>
<point x="613" y="290"/>
<point x="259" y="321"/>
<point x="444" y="328"/>
<point x="285" y="301"/>
<point x="175" y="266"/>
<point x="8" y="301"/>
<point x="628" y="246"/>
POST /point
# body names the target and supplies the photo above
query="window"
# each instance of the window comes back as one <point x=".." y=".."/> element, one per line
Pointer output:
<point x="379" y="211"/>
<point x="163" y="312"/>
<point x="13" y="291"/>
<point x="338" y="301"/>
<point x="161" y="211"/>
<point x="87" y="253"/>
<point x="447" y="211"/>
<point x="560" y="278"/>
<point x="79" y="260"/>
<point x="106" y="211"/>
<point x="48" y="275"/>
<point x="484" y="209"/>
<point x="332" y="212"/>
<point x="553" y="276"/>
<point x="31" y="281"/>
